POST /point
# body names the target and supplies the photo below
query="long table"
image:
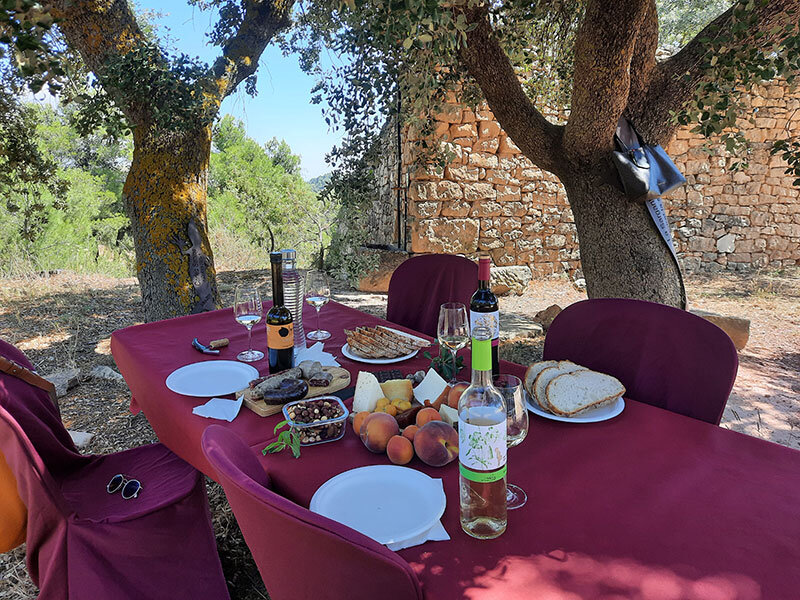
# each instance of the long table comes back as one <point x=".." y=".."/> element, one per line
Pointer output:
<point x="648" y="505"/>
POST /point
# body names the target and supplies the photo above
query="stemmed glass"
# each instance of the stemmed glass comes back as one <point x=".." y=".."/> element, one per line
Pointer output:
<point x="517" y="428"/>
<point x="247" y="310"/>
<point x="318" y="293"/>
<point x="453" y="330"/>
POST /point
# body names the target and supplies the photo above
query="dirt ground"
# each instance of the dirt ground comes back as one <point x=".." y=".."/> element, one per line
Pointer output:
<point x="66" y="320"/>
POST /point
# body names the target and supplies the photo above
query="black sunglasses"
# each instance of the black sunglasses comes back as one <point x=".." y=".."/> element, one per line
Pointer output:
<point x="130" y="487"/>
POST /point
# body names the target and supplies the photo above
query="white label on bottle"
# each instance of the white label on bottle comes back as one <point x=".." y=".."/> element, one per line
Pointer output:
<point x="482" y="447"/>
<point x="490" y="320"/>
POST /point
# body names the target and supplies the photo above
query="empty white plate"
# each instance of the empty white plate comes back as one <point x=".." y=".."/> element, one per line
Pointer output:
<point x="591" y="415"/>
<point x="388" y="503"/>
<point x="211" y="378"/>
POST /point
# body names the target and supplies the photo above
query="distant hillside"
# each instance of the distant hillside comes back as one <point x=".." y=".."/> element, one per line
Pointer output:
<point x="317" y="183"/>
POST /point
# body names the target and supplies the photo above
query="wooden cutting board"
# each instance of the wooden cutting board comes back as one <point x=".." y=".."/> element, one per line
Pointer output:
<point x="341" y="379"/>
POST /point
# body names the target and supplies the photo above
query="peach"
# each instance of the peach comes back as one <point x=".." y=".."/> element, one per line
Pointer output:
<point x="358" y="420"/>
<point x="400" y="450"/>
<point x="455" y="394"/>
<point x="376" y="431"/>
<point x="409" y="432"/>
<point x="426" y="415"/>
<point x="436" y="443"/>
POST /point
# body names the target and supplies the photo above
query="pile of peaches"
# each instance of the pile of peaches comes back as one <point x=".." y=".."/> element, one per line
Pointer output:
<point x="431" y="439"/>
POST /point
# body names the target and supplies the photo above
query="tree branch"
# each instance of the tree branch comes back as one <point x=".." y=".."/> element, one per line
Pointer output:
<point x="240" y="55"/>
<point x="489" y="65"/>
<point x="675" y="81"/>
<point x="603" y="52"/>
<point x="644" y="58"/>
<point x="100" y="32"/>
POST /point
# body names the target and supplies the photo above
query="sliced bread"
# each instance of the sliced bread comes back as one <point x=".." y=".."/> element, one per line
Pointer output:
<point x="547" y="375"/>
<point x="571" y="393"/>
<point x="533" y="371"/>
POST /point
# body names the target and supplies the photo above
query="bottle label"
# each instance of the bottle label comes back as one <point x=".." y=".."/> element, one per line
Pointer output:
<point x="280" y="337"/>
<point x="490" y="320"/>
<point x="482" y="477"/>
<point x="482" y="447"/>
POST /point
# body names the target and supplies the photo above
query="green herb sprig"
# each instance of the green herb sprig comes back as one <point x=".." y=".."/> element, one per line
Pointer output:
<point x="443" y="364"/>
<point x="286" y="439"/>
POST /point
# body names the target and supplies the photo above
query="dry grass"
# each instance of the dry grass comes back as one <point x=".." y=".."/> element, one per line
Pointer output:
<point x="67" y="320"/>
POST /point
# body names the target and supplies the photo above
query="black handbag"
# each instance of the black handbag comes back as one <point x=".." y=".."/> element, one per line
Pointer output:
<point x="645" y="170"/>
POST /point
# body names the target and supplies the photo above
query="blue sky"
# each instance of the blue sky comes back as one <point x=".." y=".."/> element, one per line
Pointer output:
<point x="282" y="108"/>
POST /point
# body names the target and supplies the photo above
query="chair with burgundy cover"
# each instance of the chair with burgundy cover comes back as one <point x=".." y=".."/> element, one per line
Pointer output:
<point x="664" y="356"/>
<point x="301" y="554"/>
<point x="421" y="284"/>
<point x="83" y="542"/>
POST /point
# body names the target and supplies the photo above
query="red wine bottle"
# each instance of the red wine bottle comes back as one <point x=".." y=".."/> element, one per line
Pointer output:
<point x="280" y="327"/>
<point x="483" y="310"/>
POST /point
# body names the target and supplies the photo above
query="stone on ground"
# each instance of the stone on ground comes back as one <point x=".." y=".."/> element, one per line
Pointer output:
<point x="737" y="328"/>
<point x="546" y="316"/>
<point x="103" y="372"/>
<point x="81" y="439"/>
<point x="64" y="380"/>
<point x="508" y="280"/>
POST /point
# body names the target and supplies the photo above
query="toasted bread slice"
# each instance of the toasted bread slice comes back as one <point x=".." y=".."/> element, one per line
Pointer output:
<point x="533" y="371"/>
<point x="548" y="374"/>
<point x="571" y="393"/>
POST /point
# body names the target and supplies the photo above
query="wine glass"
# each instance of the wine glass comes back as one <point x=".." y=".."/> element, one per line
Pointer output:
<point x="318" y="293"/>
<point x="517" y="427"/>
<point x="453" y="330"/>
<point x="247" y="311"/>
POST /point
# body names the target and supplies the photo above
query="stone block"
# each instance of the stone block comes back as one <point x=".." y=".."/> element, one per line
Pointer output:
<point x="513" y="279"/>
<point x="455" y="208"/>
<point x="507" y="146"/>
<point x="486" y="161"/>
<point x="467" y="130"/>
<point x="726" y="243"/>
<point x="488" y="129"/>
<point x="701" y="244"/>
<point x="64" y="380"/>
<point x="103" y="372"/>
<point x="489" y="145"/>
<point x="486" y="208"/>
<point x="737" y="328"/>
<point x="545" y="317"/>
<point x="449" y="190"/>
<point x="462" y="173"/>
<point x="479" y="191"/>
<point x="426" y="209"/>
<point x="445" y="235"/>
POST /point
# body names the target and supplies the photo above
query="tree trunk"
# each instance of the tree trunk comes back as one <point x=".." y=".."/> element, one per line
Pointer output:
<point x="622" y="253"/>
<point x="165" y="196"/>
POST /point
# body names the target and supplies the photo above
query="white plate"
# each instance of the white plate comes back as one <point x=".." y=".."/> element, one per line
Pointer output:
<point x="388" y="503"/>
<point x="375" y="361"/>
<point x="211" y="378"/>
<point x="593" y="415"/>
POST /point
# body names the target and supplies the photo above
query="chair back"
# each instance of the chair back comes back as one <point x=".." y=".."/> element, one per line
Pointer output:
<point x="301" y="554"/>
<point x="420" y="285"/>
<point x="663" y="356"/>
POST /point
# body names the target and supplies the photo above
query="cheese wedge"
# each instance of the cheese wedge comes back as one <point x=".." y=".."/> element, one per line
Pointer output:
<point x="449" y="415"/>
<point x="367" y="393"/>
<point x="431" y="388"/>
<point x="397" y="389"/>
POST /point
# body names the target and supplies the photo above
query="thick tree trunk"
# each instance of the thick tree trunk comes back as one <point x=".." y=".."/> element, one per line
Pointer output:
<point x="165" y="196"/>
<point x="622" y="253"/>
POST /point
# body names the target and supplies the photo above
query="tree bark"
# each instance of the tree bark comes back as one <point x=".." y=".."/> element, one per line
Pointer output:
<point x="622" y="253"/>
<point x="165" y="197"/>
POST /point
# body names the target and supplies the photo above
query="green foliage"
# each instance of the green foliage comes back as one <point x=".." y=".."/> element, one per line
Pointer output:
<point x="254" y="197"/>
<point x="680" y="20"/>
<point x="444" y="364"/>
<point x="286" y="439"/>
<point x="78" y="224"/>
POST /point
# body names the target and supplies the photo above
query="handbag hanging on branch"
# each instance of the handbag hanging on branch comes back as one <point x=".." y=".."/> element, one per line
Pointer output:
<point x="646" y="172"/>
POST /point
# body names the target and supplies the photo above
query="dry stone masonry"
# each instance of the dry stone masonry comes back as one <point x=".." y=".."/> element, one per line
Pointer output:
<point x="491" y="198"/>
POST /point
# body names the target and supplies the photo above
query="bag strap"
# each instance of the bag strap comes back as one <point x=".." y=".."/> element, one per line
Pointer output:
<point x="656" y="209"/>
<point x="28" y="376"/>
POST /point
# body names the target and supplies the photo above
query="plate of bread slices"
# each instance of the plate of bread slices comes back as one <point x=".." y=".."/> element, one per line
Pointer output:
<point x="381" y="345"/>
<point x="564" y="391"/>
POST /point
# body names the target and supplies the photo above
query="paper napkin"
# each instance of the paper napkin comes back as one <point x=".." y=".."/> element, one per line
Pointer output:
<point x="316" y="353"/>
<point x="437" y="533"/>
<point x="219" y="408"/>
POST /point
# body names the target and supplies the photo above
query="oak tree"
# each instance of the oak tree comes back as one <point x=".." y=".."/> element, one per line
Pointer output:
<point x="597" y="59"/>
<point x="170" y="103"/>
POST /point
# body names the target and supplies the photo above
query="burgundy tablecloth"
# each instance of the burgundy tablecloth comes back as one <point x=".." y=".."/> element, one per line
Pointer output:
<point x="649" y="505"/>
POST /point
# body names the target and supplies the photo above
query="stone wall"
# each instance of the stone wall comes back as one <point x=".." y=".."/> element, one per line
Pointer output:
<point x="492" y="199"/>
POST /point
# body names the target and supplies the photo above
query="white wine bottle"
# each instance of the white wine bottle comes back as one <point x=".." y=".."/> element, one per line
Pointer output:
<point x="482" y="446"/>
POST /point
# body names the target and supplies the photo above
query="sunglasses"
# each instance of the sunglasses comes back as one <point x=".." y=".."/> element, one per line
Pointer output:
<point x="130" y="487"/>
